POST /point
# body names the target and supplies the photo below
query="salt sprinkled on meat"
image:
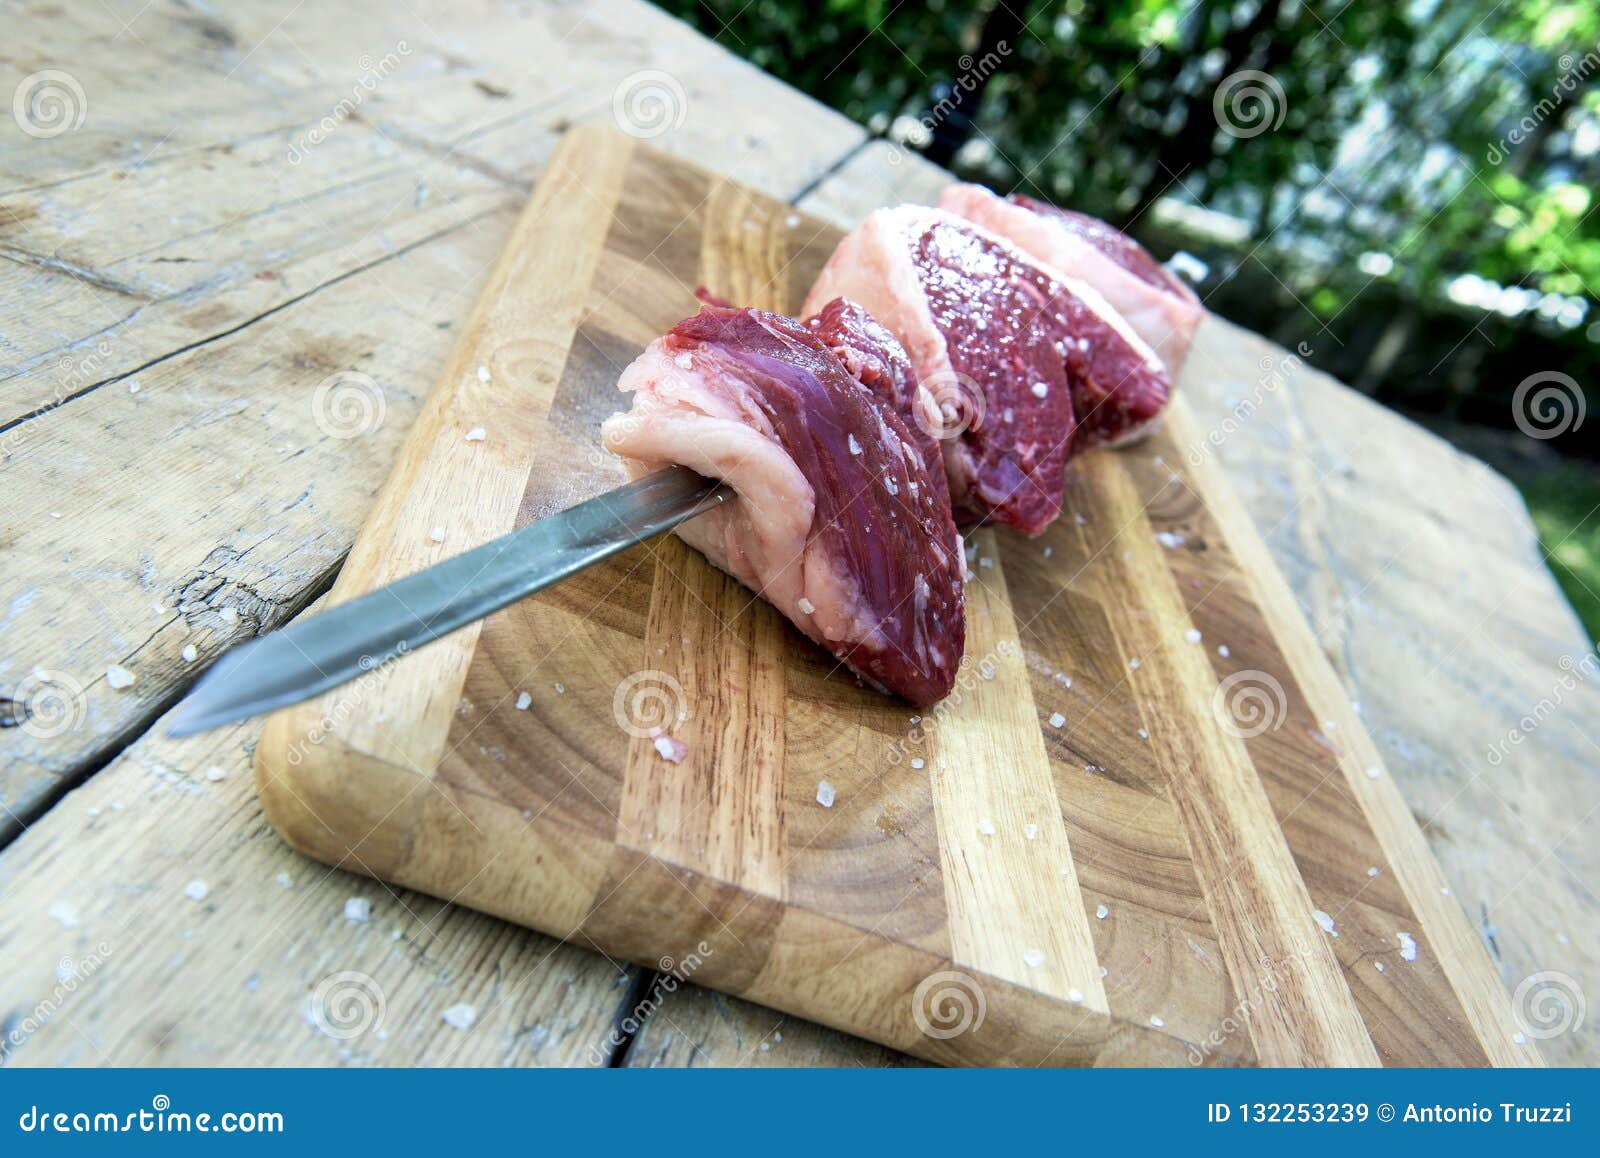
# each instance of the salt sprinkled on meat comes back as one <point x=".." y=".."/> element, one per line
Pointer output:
<point x="986" y="826"/>
<point x="1408" y="946"/>
<point x="826" y="794"/>
<point x="1057" y="720"/>
<point x="118" y="677"/>
<point x="523" y="700"/>
<point x="855" y="447"/>
<point x="1040" y="389"/>
<point x="460" y="1016"/>
<point x="806" y="605"/>
<point x="358" y="909"/>
<point x="1033" y="958"/>
<point x="476" y="434"/>
<point x="196" y="890"/>
<point x="671" y="749"/>
<point x="64" y="913"/>
<point x="684" y="361"/>
<point x="1102" y="912"/>
<point x="190" y="653"/>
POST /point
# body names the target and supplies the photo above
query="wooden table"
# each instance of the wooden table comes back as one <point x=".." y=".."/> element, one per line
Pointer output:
<point x="184" y="268"/>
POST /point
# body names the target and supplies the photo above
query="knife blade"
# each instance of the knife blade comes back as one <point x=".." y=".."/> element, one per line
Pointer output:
<point x="311" y="655"/>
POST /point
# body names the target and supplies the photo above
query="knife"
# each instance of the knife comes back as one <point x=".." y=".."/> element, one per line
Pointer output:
<point x="311" y="655"/>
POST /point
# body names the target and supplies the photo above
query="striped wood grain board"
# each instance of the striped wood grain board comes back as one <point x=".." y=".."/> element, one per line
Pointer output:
<point x="1148" y="882"/>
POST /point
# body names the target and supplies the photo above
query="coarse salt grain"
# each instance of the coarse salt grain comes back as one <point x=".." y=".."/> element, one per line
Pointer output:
<point x="918" y="763"/>
<point x="1169" y="539"/>
<point x="460" y="1016"/>
<point x="227" y="614"/>
<point x="1325" y="921"/>
<point x="1075" y="996"/>
<point x="196" y="890"/>
<point x="685" y="361"/>
<point x="1156" y="1021"/>
<point x="671" y="749"/>
<point x="1102" y="912"/>
<point x="806" y="605"/>
<point x="1373" y="871"/>
<point x="855" y="447"/>
<point x="437" y="534"/>
<point x="1063" y="679"/>
<point x="1133" y="665"/>
<point x="118" y="677"/>
<point x="1223" y="651"/>
<point x="561" y="688"/>
<point x="483" y="373"/>
<point x="1379" y="965"/>
<point x="1374" y="772"/>
<point x="1408" y="946"/>
<point x="190" y="653"/>
<point x="1033" y="958"/>
<point x="285" y="881"/>
<point x="476" y="434"/>
<point x="358" y="909"/>
<point x="1192" y="635"/>
<point x="63" y="913"/>
<point x="1031" y="831"/>
<point x="1520" y="1038"/>
<point x="986" y="826"/>
<point x="523" y="700"/>
<point x="1144" y="734"/>
<point x="1040" y="389"/>
<point x="1057" y="719"/>
<point x="826" y="794"/>
<point x="214" y="774"/>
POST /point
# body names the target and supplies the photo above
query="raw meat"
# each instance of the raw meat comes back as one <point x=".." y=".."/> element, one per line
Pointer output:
<point x="837" y="522"/>
<point x="1159" y="305"/>
<point x="1026" y="365"/>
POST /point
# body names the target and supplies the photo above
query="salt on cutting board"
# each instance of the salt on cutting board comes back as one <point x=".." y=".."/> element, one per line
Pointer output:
<point x="984" y="884"/>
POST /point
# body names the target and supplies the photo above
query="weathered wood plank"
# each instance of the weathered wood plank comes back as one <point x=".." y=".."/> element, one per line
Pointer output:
<point x="154" y="918"/>
<point x="279" y="305"/>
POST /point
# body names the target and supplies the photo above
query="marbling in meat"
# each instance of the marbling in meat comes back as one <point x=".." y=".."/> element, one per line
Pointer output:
<point x="1027" y="365"/>
<point x="837" y="522"/>
<point x="1159" y="305"/>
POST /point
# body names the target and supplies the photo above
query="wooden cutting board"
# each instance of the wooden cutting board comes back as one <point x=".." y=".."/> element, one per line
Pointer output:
<point x="1147" y="827"/>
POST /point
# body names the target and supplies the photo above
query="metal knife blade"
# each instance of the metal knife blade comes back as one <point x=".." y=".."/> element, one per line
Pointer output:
<point x="323" y="651"/>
